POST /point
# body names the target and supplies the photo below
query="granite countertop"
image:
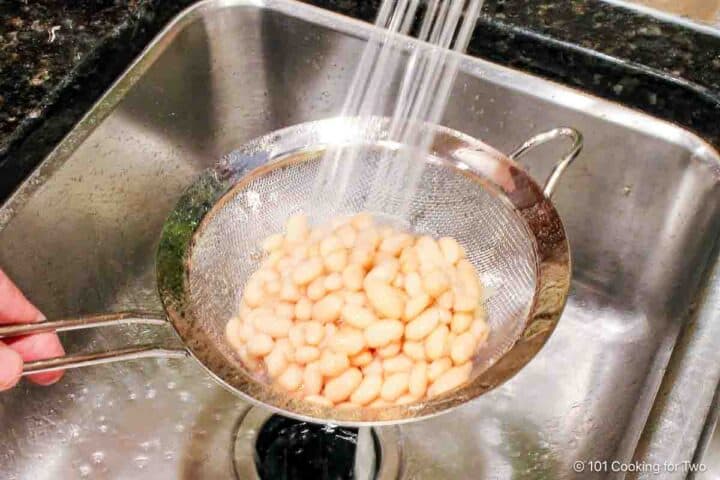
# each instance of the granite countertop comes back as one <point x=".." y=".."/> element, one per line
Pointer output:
<point x="58" y="56"/>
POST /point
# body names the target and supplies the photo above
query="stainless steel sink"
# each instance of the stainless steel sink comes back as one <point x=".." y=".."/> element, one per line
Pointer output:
<point x="641" y="206"/>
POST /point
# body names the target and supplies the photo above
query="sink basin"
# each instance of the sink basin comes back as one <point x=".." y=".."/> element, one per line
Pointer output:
<point x="641" y="207"/>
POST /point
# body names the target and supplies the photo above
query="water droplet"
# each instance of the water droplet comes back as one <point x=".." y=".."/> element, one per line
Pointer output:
<point x="151" y="393"/>
<point x="132" y="396"/>
<point x="185" y="396"/>
<point x="98" y="457"/>
<point x="141" y="461"/>
<point x="179" y="428"/>
<point x="103" y="428"/>
<point x="85" y="470"/>
<point x="169" y="455"/>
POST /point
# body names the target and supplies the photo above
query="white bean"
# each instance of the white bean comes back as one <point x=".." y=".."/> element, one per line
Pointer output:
<point x="386" y="300"/>
<point x="480" y="330"/>
<point x="362" y="256"/>
<point x="357" y="316"/>
<point x="389" y="350"/>
<point x="417" y="381"/>
<point x="352" y="276"/>
<point x="413" y="284"/>
<point x="368" y="238"/>
<point x="409" y="260"/>
<point x="347" y="235"/>
<point x="291" y="378"/>
<point x="333" y="282"/>
<point x="435" y="282"/>
<point x="329" y="245"/>
<point x="289" y="292"/>
<point x="368" y="390"/>
<point x="446" y="300"/>
<point x="312" y="379"/>
<point x="383" y="332"/>
<point x="394" y="385"/>
<point x="415" y="305"/>
<point x="314" y="333"/>
<point x="398" y="363"/>
<point x="385" y="271"/>
<point x="303" y="309"/>
<point x="296" y="228"/>
<point x="435" y="342"/>
<point x="450" y="379"/>
<point x="355" y="298"/>
<point x="260" y="345"/>
<point x="438" y="367"/>
<point x="423" y="324"/>
<point x="429" y="253"/>
<point x="361" y="359"/>
<point x="349" y="341"/>
<point x="341" y="387"/>
<point x="467" y="289"/>
<point x="393" y="244"/>
<point x="333" y="364"/>
<point x="336" y="261"/>
<point x="462" y="348"/>
<point x="276" y="362"/>
<point x="316" y="289"/>
<point x="460" y="322"/>
<point x="285" y="310"/>
<point x="272" y="260"/>
<point x="306" y="354"/>
<point x="307" y="271"/>
<point x="234" y="334"/>
<point x="373" y="368"/>
<point x="451" y="250"/>
<point x="327" y="309"/>
<point x="253" y="294"/>
<point x="272" y="325"/>
<point x="414" y="350"/>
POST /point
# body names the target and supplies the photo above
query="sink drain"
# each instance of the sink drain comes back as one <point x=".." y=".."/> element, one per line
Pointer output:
<point x="269" y="446"/>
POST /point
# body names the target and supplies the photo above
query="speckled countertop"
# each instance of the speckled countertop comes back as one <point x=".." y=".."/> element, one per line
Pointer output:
<point x="58" y="56"/>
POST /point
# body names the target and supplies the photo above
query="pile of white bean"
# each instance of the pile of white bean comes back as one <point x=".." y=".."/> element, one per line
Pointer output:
<point x="356" y="314"/>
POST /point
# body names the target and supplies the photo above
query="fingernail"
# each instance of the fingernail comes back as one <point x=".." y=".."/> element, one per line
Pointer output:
<point x="40" y="317"/>
<point x="10" y="368"/>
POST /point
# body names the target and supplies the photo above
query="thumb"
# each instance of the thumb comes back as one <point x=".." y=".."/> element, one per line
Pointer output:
<point x="11" y="365"/>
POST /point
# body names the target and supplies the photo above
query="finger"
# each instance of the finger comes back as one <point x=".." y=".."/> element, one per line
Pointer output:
<point x="14" y="307"/>
<point x="39" y="347"/>
<point x="10" y="367"/>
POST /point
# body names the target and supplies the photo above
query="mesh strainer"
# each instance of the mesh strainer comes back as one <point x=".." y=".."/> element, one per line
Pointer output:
<point x="209" y="246"/>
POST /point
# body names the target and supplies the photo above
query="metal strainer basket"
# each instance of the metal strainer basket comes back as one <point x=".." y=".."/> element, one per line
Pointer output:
<point x="210" y="245"/>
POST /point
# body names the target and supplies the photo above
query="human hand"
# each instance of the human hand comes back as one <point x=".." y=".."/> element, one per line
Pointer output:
<point x="15" y="308"/>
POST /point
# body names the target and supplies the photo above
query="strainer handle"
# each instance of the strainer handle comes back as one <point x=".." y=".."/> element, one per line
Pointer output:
<point x="565" y="161"/>
<point x="94" y="358"/>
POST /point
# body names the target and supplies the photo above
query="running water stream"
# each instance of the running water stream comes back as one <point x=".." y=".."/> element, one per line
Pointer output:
<point x="412" y="87"/>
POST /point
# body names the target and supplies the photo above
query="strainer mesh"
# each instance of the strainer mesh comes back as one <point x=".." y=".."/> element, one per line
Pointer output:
<point x="448" y="202"/>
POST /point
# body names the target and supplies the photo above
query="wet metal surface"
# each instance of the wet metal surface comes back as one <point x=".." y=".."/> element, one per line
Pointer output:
<point x="641" y="207"/>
